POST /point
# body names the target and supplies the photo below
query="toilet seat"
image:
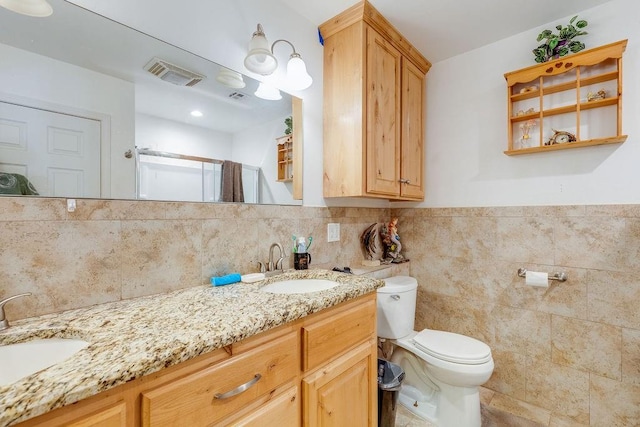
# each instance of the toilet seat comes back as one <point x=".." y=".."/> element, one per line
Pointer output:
<point x="454" y="348"/>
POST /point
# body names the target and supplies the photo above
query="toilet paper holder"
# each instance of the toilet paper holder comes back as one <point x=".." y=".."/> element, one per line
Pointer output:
<point x="560" y="277"/>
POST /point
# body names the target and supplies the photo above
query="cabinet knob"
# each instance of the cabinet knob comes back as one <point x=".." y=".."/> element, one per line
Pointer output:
<point x="404" y="181"/>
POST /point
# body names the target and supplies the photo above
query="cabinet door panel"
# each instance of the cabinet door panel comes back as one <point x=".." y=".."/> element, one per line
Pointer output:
<point x="383" y="115"/>
<point x="411" y="173"/>
<point x="343" y="392"/>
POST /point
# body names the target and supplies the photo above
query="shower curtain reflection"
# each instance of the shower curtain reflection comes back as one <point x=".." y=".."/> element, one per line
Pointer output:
<point x="170" y="176"/>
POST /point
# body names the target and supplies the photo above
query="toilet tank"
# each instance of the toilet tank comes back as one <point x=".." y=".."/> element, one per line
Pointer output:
<point x="397" y="307"/>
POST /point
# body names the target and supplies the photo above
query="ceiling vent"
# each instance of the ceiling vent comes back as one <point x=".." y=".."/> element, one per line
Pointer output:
<point x="236" y="95"/>
<point x="172" y="73"/>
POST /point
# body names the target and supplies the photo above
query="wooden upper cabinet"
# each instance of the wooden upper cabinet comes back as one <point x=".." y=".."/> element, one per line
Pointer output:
<point x="373" y="108"/>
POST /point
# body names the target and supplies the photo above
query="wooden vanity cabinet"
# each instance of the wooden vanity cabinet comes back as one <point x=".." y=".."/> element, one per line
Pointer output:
<point x="373" y="108"/>
<point x="320" y="370"/>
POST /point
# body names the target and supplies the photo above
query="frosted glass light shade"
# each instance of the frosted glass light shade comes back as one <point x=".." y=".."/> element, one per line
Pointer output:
<point x="297" y="76"/>
<point x="37" y="8"/>
<point x="260" y="60"/>
<point x="267" y="92"/>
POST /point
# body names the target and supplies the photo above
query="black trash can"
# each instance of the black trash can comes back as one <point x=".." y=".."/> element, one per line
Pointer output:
<point x="390" y="378"/>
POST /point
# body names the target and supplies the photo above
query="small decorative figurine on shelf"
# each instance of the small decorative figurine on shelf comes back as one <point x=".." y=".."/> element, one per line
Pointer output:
<point x="381" y="243"/>
<point x="391" y="240"/>
<point x="528" y="89"/>
<point x="525" y="128"/>
<point x="522" y="112"/>
<point x="561" y="137"/>
<point x="601" y="94"/>
<point x="372" y="245"/>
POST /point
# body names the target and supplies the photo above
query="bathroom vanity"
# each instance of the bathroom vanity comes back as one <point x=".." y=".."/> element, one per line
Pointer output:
<point x="234" y="355"/>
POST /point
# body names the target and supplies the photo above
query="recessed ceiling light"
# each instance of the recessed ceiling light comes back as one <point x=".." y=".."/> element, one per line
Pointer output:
<point x="196" y="113"/>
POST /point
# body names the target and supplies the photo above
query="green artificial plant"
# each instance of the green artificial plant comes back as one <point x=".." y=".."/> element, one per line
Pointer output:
<point x="560" y="44"/>
<point x="289" y="123"/>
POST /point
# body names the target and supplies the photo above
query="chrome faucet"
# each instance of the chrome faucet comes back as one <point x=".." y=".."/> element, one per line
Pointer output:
<point x="4" y="323"/>
<point x="278" y="264"/>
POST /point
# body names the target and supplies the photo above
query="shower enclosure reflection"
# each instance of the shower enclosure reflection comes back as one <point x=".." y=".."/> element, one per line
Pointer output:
<point x="168" y="176"/>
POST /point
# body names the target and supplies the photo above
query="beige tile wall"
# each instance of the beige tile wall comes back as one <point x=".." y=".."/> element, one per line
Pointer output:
<point x="111" y="250"/>
<point x="572" y="349"/>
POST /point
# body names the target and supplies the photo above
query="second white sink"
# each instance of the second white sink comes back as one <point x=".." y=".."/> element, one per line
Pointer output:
<point x="23" y="359"/>
<point x="299" y="286"/>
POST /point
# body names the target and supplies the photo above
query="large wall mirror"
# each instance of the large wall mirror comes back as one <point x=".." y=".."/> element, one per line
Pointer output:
<point x="92" y="108"/>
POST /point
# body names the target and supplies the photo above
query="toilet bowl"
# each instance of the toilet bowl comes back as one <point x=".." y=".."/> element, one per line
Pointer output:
<point x="442" y="369"/>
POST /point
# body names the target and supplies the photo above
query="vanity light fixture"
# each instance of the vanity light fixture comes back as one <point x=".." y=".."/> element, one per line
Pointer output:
<point x="261" y="60"/>
<point x="37" y="8"/>
<point x="268" y="92"/>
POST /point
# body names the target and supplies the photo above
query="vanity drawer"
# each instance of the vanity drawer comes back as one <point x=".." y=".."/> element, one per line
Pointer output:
<point x="332" y="335"/>
<point x="203" y="398"/>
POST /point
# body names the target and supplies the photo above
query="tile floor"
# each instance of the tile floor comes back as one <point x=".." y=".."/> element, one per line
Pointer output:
<point x="491" y="417"/>
<point x="497" y="410"/>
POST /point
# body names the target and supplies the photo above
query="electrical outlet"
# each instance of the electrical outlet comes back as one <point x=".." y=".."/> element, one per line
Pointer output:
<point x="333" y="232"/>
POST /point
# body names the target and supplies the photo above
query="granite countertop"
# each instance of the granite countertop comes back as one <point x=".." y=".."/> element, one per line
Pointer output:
<point x="132" y="338"/>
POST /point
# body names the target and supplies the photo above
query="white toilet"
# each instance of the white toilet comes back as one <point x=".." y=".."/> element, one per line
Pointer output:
<point x="442" y="370"/>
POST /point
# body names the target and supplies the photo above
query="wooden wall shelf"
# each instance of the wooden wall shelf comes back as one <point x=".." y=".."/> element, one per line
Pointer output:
<point x="554" y="96"/>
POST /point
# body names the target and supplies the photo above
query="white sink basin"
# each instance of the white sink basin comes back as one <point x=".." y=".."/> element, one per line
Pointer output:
<point x="299" y="286"/>
<point x="26" y="358"/>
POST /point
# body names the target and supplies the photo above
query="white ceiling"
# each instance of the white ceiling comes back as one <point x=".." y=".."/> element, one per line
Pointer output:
<point x="441" y="29"/>
<point x="88" y="40"/>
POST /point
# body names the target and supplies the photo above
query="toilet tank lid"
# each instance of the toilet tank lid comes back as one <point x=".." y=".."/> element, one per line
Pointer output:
<point x="452" y="347"/>
<point x="397" y="284"/>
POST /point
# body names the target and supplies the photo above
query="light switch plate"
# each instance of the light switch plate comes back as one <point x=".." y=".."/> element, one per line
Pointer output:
<point x="333" y="232"/>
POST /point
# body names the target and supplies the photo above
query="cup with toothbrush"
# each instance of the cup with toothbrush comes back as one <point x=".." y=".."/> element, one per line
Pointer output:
<point x="301" y="255"/>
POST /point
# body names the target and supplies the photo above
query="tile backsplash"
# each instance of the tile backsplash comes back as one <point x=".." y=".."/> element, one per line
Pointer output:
<point x="112" y="250"/>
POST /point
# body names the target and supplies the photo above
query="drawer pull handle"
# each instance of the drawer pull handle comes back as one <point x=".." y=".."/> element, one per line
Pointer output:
<point x="240" y="389"/>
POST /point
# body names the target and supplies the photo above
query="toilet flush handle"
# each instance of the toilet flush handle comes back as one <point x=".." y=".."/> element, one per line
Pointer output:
<point x="395" y="297"/>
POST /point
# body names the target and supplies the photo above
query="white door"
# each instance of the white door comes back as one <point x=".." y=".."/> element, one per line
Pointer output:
<point x="58" y="153"/>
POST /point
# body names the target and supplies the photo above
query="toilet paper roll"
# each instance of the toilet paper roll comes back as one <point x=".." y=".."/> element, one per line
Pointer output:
<point x="537" y="278"/>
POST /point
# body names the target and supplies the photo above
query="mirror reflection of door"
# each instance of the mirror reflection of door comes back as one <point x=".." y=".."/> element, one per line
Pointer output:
<point x="59" y="154"/>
